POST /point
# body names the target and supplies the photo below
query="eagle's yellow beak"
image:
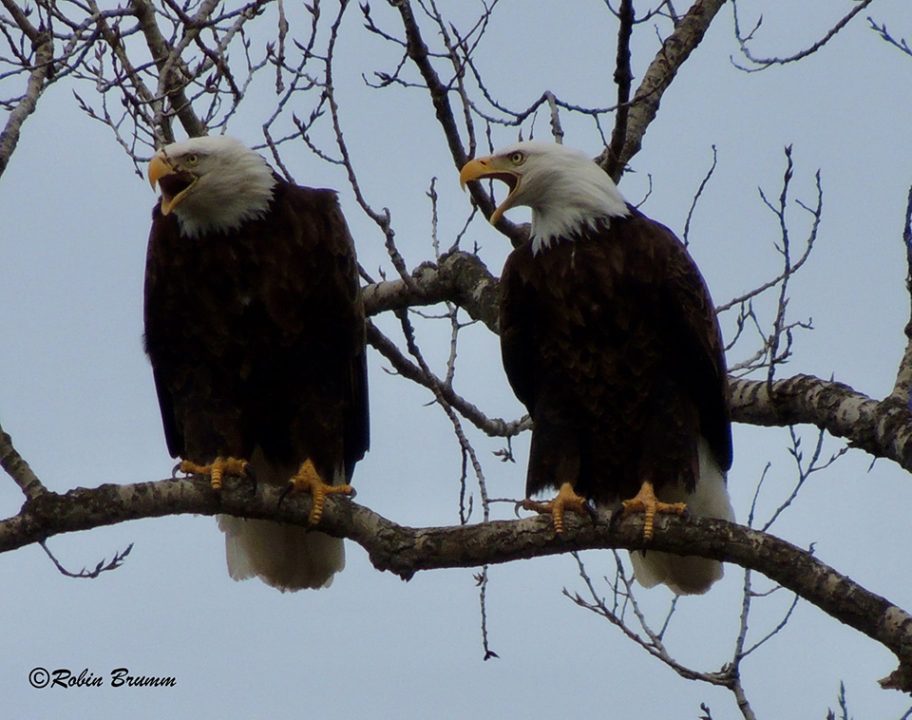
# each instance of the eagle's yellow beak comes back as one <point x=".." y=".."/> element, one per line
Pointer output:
<point x="159" y="167"/>
<point x="497" y="168"/>
<point x="474" y="170"/>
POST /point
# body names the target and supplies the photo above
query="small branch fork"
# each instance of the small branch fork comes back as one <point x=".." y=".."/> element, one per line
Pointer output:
<point x="763" y="63"/>
<point x="115" y="562"/>
<point x="777" y="342"/>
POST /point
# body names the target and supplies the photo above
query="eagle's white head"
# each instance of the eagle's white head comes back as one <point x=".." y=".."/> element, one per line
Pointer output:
<point x="564" y="188"/>
<point x="212" y="184"/>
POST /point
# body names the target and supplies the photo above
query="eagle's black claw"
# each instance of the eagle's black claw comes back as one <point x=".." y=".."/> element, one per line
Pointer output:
<point x="591" y="511"/>
<point x="616" y="515"/>
<point x="174" y="471"/>
<point x="251" y="476"/>
<point x="288" y="488"/>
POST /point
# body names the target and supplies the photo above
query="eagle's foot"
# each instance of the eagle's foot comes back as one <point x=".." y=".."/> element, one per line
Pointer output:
<point x="566" y="499"/>
<point x="647" y="503"/>
<point x="308" y="479"/>
<point x="216" y="470"/>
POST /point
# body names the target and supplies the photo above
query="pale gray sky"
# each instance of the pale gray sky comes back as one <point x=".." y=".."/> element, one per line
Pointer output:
<point x="76" y="394"/>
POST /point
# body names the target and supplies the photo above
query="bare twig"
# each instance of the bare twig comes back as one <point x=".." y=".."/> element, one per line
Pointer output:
<point x="763" y="63"/>
<point x="115" y="562"/>
<point x="900" y="44"/>
<point x="685" y="238"/>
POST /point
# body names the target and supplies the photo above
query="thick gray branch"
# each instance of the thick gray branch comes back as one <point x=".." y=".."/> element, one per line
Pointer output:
<point x="883" y="428"/>
<point x="459" y="277"/>
<point x="405" y="551"/>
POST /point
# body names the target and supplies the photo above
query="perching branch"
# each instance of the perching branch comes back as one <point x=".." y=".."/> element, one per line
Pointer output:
<point x="406" y="551"/>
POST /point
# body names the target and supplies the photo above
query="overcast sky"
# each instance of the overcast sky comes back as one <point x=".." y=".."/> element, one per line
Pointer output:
<point x="76" y="395"/>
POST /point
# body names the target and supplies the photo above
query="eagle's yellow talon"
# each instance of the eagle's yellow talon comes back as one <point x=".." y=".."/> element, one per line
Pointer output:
<point x="646" y="502"/>
<point x="308" y="479"/>
<point x="566" y="499"/>
<point x="216" y="470"/>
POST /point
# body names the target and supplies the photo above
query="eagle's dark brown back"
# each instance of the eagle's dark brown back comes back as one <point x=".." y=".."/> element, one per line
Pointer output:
<point x="257" y="336"/>
<point x="611" y="341"/>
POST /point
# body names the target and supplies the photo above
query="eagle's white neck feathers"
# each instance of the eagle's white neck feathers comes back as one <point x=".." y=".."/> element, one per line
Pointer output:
<point x="235" y="184"/>
<point x="566" y="190"/>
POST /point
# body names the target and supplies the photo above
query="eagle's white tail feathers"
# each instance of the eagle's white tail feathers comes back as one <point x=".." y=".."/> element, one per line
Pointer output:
<point x="688" y="575"/>
<point x="287" y="557"/>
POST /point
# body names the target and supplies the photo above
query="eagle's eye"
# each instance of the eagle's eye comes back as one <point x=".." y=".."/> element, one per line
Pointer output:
<point x="192" y="159"/>
<point x="517" y="158"/>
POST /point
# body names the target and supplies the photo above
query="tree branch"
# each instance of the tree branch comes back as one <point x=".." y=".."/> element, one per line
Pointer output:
<point x="902" y="388"/>
<point x="18" y="469"/>
<point x="623" y="78"/>
<point x="417" y="51"/>
<point x="764" y="63"/>
<point x="174" y="74"/>
<point x="882" y="428"/>
<point x="675" y="50"/>
<point x="404" y="551"/>
<point x="40" y="74"/>
<point x="460" y="277"/>
<point x="493" y="427"/>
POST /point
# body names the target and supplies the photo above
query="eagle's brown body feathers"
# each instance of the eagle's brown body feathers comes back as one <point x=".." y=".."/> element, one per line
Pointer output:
<point x="611" y="342"/>
<point x="258" y="340"/>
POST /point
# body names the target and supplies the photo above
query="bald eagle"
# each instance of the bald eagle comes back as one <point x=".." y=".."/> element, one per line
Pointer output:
<point x="255" y="330"/>
<point x="610" y="339"/>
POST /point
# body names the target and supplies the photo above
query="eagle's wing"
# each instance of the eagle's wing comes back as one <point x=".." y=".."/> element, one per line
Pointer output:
<point x="159" y="238"/>
<point x="694" y="330"/>
<point x="517" y="325"/>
